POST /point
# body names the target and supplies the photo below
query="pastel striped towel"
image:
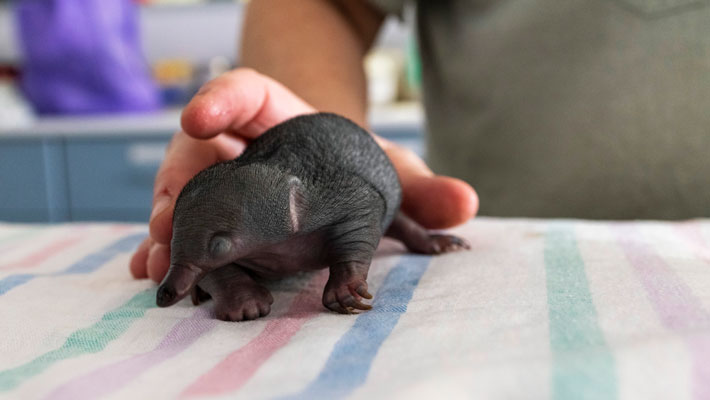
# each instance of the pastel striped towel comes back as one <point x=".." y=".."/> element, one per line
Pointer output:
<point x="537" y="310"/>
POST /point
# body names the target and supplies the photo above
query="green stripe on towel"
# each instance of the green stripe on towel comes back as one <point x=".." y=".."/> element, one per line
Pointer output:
<point x="583" y="366"/>
<point x="87" y="340"/>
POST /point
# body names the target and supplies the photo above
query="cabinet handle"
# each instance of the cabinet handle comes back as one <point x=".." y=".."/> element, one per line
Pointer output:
<point x="145" y="154"/>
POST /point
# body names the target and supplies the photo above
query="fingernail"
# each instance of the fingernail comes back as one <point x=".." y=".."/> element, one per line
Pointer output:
<point x="161" y="204"/>
<point x="204" y="89"/>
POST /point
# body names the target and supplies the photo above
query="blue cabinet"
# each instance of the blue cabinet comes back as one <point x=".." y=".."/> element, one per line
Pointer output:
<point x="101" y="169"/>
<point x="33" y="180"/>
<point x="112" y="178"/>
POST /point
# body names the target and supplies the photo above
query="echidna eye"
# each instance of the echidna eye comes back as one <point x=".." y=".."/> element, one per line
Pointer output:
<point x="219" y="246"/>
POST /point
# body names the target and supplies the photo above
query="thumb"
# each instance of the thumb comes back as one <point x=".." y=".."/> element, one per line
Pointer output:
<point x="436" y="202"/>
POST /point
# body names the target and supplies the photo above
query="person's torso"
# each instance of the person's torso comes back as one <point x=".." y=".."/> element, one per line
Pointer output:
<point x="573" y="108"/>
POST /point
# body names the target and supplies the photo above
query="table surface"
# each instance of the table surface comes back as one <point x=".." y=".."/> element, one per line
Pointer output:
<point x="537" y="309"/>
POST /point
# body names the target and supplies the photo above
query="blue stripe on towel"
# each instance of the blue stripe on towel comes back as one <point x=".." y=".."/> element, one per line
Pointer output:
<point x="350" y="361"/>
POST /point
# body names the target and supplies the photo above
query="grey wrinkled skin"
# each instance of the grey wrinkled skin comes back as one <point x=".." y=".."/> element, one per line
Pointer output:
<point x="313" y="192"/>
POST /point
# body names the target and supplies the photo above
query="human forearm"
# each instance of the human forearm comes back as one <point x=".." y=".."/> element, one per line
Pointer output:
<point x="315" y="48"/>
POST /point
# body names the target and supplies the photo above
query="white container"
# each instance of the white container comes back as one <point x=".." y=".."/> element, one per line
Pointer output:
<point x="382" y="68"/>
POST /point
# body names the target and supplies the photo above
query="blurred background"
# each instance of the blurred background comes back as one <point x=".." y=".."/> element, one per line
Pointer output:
<point x="81" y="139"/>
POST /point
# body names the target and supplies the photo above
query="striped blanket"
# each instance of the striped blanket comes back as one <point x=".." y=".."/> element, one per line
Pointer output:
<point x="538" y="309"/>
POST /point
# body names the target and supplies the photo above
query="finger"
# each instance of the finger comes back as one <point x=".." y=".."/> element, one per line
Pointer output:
<point x="184" y="158"/>
<point x="139" y="261"/>
<point x="362" y="291"/>
<point x="242" y="101"/>
<point x="251" y="310"/>
<point x="264" y="309"/>
<point x="158" y="261"/>
<point x="436" y="202"/>
<point x="349" y="301"/>
<point x="439" y="202"/>
<point x="335" y="306"/>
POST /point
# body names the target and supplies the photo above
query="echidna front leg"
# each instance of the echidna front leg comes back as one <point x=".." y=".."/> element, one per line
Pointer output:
<point x="351" y="248"/>
<point x="346" y="287"/>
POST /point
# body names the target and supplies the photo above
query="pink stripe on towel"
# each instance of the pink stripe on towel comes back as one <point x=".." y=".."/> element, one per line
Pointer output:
<point x="239" y="366"/>
<point x="112" y="377"/>
<point x="79" y="233"/>
<point x="678" y="309"/>
<point x="44" y="253"/>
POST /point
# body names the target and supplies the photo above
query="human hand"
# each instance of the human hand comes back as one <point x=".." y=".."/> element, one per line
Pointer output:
<point x="239" y="106"/>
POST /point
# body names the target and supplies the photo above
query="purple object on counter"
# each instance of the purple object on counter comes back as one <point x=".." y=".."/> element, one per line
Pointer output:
<point x="83" y="56"/>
